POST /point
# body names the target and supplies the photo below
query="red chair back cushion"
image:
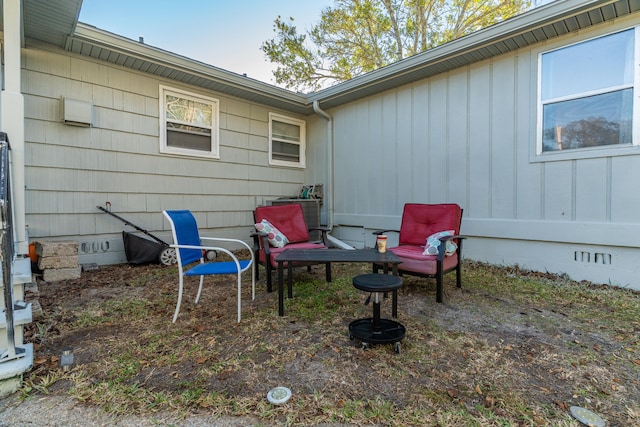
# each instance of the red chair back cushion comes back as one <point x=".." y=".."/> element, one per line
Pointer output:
<point x="289" y="219"/>
<point x="419" y="221"/>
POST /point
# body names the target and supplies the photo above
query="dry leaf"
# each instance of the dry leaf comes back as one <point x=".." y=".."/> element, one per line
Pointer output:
<point x="478" y="389"/>
<point x="489" y="402"/>
<point x="561" y="405"/>
<point x="202" y="360"/>
<point x="544" y="390"/>
<point x="636" y="361"/>
<point x="452" y="393"/>
<point x="40" y="360"/>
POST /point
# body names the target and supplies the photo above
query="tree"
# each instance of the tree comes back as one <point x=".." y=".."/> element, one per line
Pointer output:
<point x="358" y="36"/>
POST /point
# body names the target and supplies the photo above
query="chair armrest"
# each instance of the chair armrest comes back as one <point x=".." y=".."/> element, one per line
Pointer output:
<point x="265" y="242"/>
<point x="441" y="249"/>
<point x="202" y="248"/>
<point x="223" y="239"/>
<point x="323" y="232"/>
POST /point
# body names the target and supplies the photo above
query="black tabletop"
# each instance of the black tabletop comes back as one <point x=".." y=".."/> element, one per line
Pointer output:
<point x="337" y="255"/>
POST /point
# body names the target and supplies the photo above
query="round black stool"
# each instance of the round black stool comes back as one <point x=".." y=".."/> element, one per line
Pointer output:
<point x="374" y="330"/>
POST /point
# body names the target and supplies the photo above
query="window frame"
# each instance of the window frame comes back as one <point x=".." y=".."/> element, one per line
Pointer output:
<point x="537" y="153"/>
<point x="302" y="143"/>
<point x="214" y="153"/>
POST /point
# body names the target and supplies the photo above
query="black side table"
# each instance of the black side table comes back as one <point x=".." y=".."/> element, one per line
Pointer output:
<point x="374" y="330"/>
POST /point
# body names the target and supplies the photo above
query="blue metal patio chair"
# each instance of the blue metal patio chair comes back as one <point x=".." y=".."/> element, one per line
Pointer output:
<point x="189" y="250"/>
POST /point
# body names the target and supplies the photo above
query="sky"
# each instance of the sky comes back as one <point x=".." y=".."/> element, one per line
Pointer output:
<point x="224" y="33"/>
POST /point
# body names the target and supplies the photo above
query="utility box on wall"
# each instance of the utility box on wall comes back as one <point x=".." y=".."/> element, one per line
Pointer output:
<point x="76" y="112"/>
<point x="310" y="210"/>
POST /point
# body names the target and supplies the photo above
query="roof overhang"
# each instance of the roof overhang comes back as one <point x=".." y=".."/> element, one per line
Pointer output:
<point x="55" y="21"/>
<point x="91" y="41"/>
<point x="51" y="20"/>
<point x="544" y="23"/>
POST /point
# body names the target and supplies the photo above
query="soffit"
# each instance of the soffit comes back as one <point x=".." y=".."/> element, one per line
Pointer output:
<point x="96" y="43"/>
<point x="55" y="21"/>
<point x="539" y="25"/>
<point x="48" y="20"/>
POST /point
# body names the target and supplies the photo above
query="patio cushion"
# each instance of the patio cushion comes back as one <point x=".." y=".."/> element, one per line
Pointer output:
<point x="289" y="219"/>
<point x="414" y="260"/>
<point x="274" y="236"/>
<point x="433" y="244"/>
<point x="421" y="220"/>
<point x="276" y="251"/>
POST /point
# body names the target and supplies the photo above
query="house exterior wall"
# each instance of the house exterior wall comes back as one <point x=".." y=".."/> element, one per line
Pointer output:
<point x="71" y="170"/>
<point x="468" y="137"/>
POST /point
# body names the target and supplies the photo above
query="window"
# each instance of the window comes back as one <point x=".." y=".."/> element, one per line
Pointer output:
<point x="286" y="141"/>
<point x="587" y="95"/>
<point x="188" y="124"/>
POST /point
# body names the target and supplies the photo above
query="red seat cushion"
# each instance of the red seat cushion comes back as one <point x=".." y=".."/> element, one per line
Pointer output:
<point x="276" y="251"/>
<point x="413" y="260"/>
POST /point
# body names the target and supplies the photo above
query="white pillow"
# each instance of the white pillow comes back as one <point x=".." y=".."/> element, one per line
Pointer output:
<point x="433" y="244"/>
<point x="274" y="236"/>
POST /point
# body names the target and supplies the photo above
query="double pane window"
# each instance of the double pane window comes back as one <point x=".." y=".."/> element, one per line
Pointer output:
<point x="287" y="141"/>
<point x="189" y="124"/>
<point x="587" y="94"/>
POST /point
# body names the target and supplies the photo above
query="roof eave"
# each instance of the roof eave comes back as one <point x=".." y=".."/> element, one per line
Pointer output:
<point x="91" y="41"/>
<point x="466" y="49"/>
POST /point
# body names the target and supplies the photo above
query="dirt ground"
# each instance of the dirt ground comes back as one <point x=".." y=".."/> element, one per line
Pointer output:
<point x="481" y="350"/>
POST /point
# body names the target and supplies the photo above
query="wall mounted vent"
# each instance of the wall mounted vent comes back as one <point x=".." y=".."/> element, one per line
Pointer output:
<point x="76" y="112"/>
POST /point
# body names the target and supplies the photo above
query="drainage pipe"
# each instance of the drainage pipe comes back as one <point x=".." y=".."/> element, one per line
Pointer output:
<point x="329" y="195"/>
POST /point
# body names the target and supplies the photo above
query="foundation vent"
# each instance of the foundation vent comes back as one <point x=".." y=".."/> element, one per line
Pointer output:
<point x="596" y="258"/>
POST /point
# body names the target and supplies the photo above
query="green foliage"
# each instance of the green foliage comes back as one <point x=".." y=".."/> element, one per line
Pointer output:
<point x="358" y="36"/>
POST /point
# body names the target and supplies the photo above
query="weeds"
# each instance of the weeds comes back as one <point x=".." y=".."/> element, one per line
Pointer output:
<point x="510" y="348"/>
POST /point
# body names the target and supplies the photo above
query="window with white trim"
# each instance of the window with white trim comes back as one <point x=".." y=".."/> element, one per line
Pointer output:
<point x="188" y="124"/>
<point x="286" y="141"/>
<point x="586" y="95"/>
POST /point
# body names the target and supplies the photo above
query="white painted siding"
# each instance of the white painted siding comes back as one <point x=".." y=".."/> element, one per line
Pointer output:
<point x="467" y="137"/>
<point x="71" y="170"/>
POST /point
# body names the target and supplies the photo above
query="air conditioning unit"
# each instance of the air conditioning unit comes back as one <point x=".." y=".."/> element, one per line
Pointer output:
<point x="310" y="210"/>
<point x="76" y="112"/>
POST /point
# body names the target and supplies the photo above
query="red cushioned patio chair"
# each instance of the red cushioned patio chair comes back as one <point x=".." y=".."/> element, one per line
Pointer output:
<point x="419" y="222"/>
<point x="289" y="221"/>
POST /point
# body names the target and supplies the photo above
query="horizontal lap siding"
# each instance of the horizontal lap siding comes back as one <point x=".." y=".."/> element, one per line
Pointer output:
<point x="468" y="137"/>
<point x="71" y="170"/>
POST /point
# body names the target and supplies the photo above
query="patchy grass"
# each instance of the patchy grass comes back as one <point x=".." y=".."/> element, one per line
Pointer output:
<point x="511" y="348"/>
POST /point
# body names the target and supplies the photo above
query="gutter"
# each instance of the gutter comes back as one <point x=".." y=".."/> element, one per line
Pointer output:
<point x="329" y="198"/>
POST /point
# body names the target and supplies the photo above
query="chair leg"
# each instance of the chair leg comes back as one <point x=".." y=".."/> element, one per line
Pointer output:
<point x="253" y="281"/>
<point x="239" y="296"/>
<point x="439" y="287"/>
<point x="175" y="315"/>
<point x="269" y="287"/>
<point x="459" y="275"/>
<point x="199" y="289"/>
<point x="328" y="271"/>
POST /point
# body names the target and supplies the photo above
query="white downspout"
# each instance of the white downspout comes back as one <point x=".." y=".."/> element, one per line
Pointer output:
<point x="329" y="199"/>
<point x="12" y="116"/>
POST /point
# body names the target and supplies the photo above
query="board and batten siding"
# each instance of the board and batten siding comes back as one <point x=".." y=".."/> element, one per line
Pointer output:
<point x="468" y="137"/>
<point x="71" y="170"/>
